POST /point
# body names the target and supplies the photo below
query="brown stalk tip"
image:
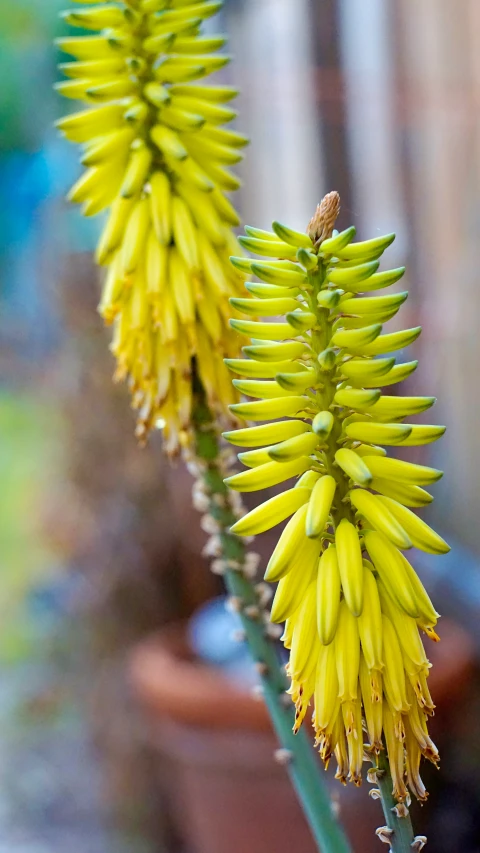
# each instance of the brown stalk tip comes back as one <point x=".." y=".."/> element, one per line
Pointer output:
<point x="321" y="224"/>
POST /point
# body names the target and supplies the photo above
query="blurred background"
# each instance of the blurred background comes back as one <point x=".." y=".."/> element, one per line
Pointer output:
<point x="379" y="99"/>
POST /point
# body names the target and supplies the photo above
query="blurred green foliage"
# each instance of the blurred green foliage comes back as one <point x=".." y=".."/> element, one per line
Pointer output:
<point x="28" y="454"/>
<point x="27" y="68"/>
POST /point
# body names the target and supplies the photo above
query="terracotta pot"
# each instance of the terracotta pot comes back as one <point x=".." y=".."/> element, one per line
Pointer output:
<point x="228" y="793"/>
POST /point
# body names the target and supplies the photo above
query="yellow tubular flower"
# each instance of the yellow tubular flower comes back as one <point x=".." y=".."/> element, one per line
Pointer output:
<point x="353" y="603"/>
<point x="157" y="161"/>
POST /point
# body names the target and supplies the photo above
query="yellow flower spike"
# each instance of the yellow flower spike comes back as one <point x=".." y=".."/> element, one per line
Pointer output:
<point x="354" y="500"/>
<point x="156" y="158"/>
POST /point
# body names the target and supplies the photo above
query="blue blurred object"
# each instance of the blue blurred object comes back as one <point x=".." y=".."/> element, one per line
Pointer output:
<point x="24" y="177"/>
<point x="211" y="634"/>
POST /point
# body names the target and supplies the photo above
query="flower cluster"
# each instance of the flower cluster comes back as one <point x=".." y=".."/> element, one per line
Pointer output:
<point x="156" y="157"/>
<point x="352" y="604"/>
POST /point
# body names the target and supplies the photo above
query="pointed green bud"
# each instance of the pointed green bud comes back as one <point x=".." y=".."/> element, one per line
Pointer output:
<point x="322" y="424"/>
<point x="326" y="359"/>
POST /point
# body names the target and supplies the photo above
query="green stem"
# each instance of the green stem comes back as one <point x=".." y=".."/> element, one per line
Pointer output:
<point x="301" y="760"/>
<point x="402" y="836"/>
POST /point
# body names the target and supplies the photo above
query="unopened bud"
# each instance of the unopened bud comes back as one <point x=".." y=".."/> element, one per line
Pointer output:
<point x="218" y="567"/>
<point x="326" y="359"/>
<point x="329" y="298"/>
<point x="335" y="805"/>
<point x="273" y="631"/>
<point x="233" y="604"/>
<point x="321" y="224"/>
<point x="213" y="548"/>
<point x="257" y="692"/>
<point x="238" y="636"/>
<point x="208" y="524"/>
<point x="252" y="612"/>
<point x="264" y="592"/>
<point x="283" y="756"/>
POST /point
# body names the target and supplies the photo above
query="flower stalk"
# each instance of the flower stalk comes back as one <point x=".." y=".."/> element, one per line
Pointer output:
<point x="398" y="832"/>
<point x="248" y="600"/>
